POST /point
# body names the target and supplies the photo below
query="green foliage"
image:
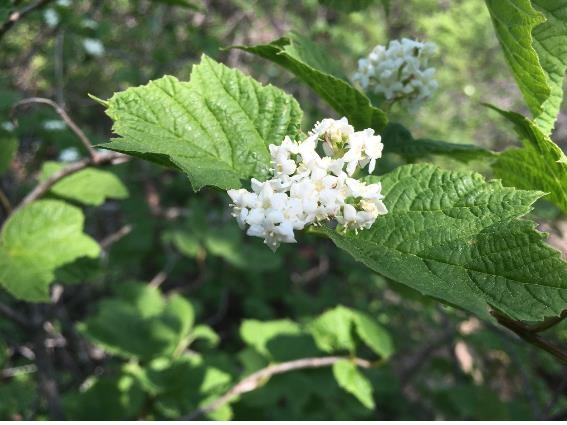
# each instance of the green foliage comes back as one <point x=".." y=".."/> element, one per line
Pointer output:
<point x="353" y="381"/>
<point x="540" y="164"/>
<point x="197" y="238"/>
<point x="347" y="5"/>
<point x="35" y="241"/>
<point x="150" y="325"/>
<point x="455" y="237"/>
<point x="397" y="139"/>
<point x="8" y="148"/>
<point x="309" y="63"/>
<point x="89" y="186"/>
<point x="534" y="40"/>
<point x="215" y="128"/>
<point x="335" y="331"/>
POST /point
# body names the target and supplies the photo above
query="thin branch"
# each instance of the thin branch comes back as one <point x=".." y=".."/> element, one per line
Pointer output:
<point x="43" y="187"/>
<point x="257" y="379"/>
<point x="19" y="14"/>
<point x="5" y="202"/>
<point x="528" y="335"/>
<point x="13" y="315"/>
<point x="115" y="237"/>
<point x="65" y="117"/>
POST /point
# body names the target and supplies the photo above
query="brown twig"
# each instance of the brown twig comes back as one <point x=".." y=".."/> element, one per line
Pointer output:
<point x="257" y="379"/>
<point x="529" y="335"/>
<point x="115" y="237"/>
<point x="5" y="202"/>
<point x="65" y="117"/>
<point x="43" y="187"/>
<point x="19" y="14"/>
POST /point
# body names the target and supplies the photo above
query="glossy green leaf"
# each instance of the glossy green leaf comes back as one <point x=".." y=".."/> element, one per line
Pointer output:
<point x="398" y="139"/>
<point x="456" y="237"/>
<point x="215" y="128"/>
<point x="312" y="65"/>
<point x="540" y="164"/>
<point x="354" y="382"/>
<point x="89" y="186"/>
<point x="35" y="241"/>
<point x="533" y="36"/>
<point x="150" y="325"/>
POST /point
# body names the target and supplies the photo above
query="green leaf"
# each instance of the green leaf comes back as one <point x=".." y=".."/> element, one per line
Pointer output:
<point x="205" y="333"/>
<point x="398" y="139"/>
<point x="453" y="236"/>
<point x="373" y="335"/>
<point x="119" y="398"/>
<point x="8" y="148"/>
<point x="35" y="241"/>
<point x="310" y="63"/>
<point x="258" y="334"/>
<point x="354" y="382"/>
<point x="89" y="186"/>
<point x="215" y="128"/>
<point x="540" y="164"/>
<point x="347" y="6"/>
<point x="150" y="325"/>
<point x="534" y="44"/>
<point x="333" y="331"/>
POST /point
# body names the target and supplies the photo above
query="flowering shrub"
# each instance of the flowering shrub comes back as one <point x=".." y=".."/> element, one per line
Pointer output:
<point x="309" y="189"/>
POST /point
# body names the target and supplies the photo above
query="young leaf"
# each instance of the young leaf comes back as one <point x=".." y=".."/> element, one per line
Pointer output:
<point x="35" y="241"/>
<point x="456" y="237"/>
<point x="309" y="62"/>
<point x="354" y="382"/>
<point x="398" y="139"/>
<point x="150" y="326"/>
<point x="534" y="43"/>
<point x="258" y="334"/>
<point x="216" y="128"/>
<point x="89" y="186"/>
<point x="333" y="331"/>
<point x="540" y="164"/>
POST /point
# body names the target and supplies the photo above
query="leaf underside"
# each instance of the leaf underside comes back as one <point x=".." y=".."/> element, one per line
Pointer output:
<point x="308" y="62"/>
<point x="534" y="41"/>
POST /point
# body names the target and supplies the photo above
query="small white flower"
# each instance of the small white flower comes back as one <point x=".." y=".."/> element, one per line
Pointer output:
<point x="309" y="189"/>
<point x="400" y="72"/>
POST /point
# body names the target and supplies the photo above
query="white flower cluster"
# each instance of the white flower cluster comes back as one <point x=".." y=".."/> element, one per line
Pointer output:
<point x="399" y="72"/>
<point x="308" y="188"/>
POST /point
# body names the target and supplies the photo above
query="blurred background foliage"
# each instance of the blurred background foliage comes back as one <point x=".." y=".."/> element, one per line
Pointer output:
<point x="181" y="306"/>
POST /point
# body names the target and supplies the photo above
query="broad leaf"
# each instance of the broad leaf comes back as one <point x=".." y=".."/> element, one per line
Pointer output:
<point x="309" y="62"/>
<point x="334" y="331"/>
<point x="149" y="325"/>
<point x="258" y="334"/>
<point x="456" y="237"/>
<point x="397" y="139"/>
<point x="35" y="241"/>
<point x="540" y="164"/>
<point x="535" y="45"/>
<point x="215" y="128"/>
<point x="353" y="381"/>
<point x="89" y="186"/>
